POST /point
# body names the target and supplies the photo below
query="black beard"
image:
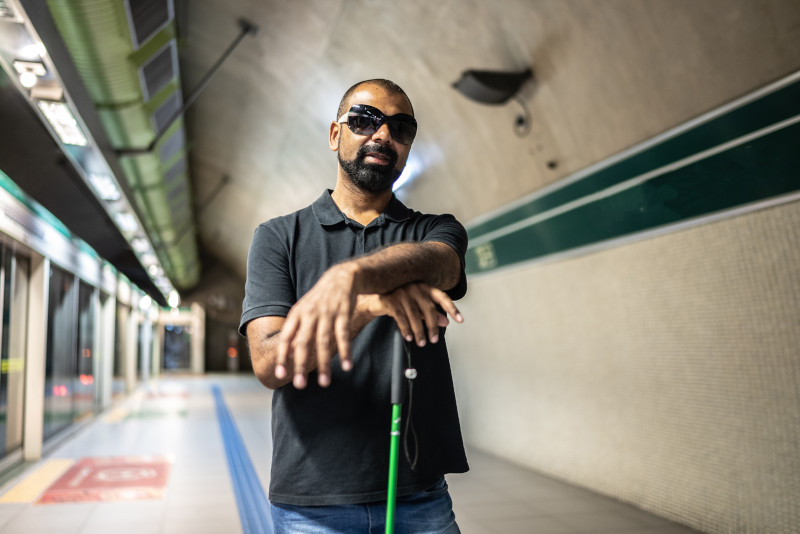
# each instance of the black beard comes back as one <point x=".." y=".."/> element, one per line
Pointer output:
<point x="373" y="178"/>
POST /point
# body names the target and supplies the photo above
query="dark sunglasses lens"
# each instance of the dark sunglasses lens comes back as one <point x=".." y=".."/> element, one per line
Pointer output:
<point x="362" y="124"/>
<point x="403" y="132"/>
<point x="366" y="120"/>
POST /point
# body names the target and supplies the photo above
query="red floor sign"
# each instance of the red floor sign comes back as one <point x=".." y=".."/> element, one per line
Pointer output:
<point x="121" y="478"/>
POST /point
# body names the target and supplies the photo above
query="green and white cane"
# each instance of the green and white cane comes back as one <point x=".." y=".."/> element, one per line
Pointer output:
<point x="398" y="390"/>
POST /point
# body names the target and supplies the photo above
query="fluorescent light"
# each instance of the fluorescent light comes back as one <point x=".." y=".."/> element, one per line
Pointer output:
<point x="33" y="51"/>
<point x="60" y="118"/>
<point x="174" y="299"/>
<point x="163" y="283"/>
<point x="154" y="270"/>
<point x="126" y="222"/>
<point x="140" y="245"/>
<point x="148" y="259"/>
<point x="104" y="186"/>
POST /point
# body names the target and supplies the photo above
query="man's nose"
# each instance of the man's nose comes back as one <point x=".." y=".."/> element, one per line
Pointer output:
<point x="382" y="135"/>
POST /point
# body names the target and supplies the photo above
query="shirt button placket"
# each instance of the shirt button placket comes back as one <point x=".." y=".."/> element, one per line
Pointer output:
<point x="360" y="241"/>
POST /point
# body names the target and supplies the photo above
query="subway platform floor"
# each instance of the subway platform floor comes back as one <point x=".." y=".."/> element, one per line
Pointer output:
<point x="157" y="463"/>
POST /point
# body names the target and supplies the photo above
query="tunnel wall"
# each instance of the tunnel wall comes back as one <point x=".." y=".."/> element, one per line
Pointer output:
<point x="663" y="369"/>
<point x="664" y="373"/>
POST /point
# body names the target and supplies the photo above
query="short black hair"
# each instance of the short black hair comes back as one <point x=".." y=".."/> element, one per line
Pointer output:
<point x="387" y="85"/>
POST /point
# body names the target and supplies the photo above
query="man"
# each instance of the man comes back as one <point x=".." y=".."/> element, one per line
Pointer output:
<point x="342" y="276"/>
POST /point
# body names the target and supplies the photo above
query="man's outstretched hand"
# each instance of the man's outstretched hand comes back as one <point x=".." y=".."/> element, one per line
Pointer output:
<point x="317" y="325"/>
<point x="332" y="313"/>
<point x="410" y="306"/>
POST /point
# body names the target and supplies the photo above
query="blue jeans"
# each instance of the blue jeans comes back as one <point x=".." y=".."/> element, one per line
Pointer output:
<point x="425" y="512"/>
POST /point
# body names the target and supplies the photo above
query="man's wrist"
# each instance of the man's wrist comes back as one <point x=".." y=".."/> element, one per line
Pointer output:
<point x="353" y="273"/>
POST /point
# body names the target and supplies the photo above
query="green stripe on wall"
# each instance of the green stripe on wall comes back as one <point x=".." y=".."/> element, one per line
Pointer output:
<point x="585" y="211"/>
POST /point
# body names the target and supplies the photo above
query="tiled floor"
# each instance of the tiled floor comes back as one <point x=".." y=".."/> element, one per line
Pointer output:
<point x="176" y="417"/>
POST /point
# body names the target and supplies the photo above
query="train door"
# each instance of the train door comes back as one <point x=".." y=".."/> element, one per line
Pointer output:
<point x="84" y="377"/>
<point x="14" y="277"/>
<point x="60" y="352"/>
<point x="120" y="337"/>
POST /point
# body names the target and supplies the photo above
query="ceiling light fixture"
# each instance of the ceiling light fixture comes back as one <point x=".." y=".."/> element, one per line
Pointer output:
<point x="23" y="53"/>
<point x="105" y="187"/>
<point x="148" y="259"/>
<point x="163" y="283"/>
<point x="126" y="222"/>
<point x="29" y="72"/>
<point x="32" y="51"/>
<point x="140" y="245"/>
<point x="27" y="79"/>
<point x="63" y="122"/>
<point x="34" y="67"/>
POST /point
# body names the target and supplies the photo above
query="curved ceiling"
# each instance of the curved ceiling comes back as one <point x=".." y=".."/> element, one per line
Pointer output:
<point x="607" y="75"/>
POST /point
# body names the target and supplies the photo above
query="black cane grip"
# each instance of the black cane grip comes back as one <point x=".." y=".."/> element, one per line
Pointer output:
<point x="398" y="368"/>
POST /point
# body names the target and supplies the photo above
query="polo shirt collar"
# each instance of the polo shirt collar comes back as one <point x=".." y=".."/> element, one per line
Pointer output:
<point x="326" y="211"/>
<point x="396" y="211"/>
<point x="328" y="214"/>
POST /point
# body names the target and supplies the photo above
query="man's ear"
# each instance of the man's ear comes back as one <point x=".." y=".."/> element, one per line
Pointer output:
<point x="333" y="136"/>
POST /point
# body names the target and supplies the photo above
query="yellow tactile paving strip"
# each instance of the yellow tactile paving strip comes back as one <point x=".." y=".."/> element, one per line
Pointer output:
<point x="116" y="415"/>
<point x="121" y="412"/>
<point x="33" y="485"/>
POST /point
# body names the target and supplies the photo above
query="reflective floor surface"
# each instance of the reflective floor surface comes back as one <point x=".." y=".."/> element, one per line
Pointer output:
<point x="156" y="463"/>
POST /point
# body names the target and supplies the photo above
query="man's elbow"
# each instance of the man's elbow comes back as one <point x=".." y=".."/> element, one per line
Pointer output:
<point x="450" y="273"/>
<point x="265" y="372"/>
<point x="270" y="381"/>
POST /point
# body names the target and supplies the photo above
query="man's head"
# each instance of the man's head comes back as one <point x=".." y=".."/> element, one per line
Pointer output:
<point x="373" y="138"/>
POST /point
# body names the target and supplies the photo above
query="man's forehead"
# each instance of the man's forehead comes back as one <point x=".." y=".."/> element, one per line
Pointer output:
<point x="379" y="97"/>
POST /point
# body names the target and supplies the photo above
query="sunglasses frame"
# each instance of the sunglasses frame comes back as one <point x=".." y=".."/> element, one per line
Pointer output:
<point x="378" y="119"/>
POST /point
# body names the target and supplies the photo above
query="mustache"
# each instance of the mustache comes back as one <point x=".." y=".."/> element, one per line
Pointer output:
<point x="379" y="149"/>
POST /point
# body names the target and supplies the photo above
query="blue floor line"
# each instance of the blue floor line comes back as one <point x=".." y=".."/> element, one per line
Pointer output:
<point x="250" y="498"/>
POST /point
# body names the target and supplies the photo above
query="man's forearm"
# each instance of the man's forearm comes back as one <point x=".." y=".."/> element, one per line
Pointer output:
<point x="321" y="319"/>
<point x="434" y="263"/>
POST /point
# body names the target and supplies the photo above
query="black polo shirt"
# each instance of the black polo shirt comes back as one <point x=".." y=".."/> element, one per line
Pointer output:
<point x="331" y="445"/>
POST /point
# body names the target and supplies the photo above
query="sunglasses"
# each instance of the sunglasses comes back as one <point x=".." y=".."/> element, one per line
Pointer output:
<point x="366" y="120"/>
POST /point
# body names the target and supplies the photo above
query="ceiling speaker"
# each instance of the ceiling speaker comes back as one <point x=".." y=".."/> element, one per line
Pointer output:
<point x="491" y="87"/>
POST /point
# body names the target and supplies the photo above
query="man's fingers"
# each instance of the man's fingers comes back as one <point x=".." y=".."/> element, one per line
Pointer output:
<point x="396" y="312"/>
<point x="441" y="298"/>
<point x="342" y="332"/>
<point x="324" y="353"/>
<point x="285" y="340"/>
<point x="302" y="347"/>
<point x="411" y="311"/>
<point x="428" y="310"/>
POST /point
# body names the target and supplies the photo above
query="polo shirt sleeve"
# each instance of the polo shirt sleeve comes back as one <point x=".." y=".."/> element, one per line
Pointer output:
<point x="446" y="229"/>
<point x="269" y="290"/>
